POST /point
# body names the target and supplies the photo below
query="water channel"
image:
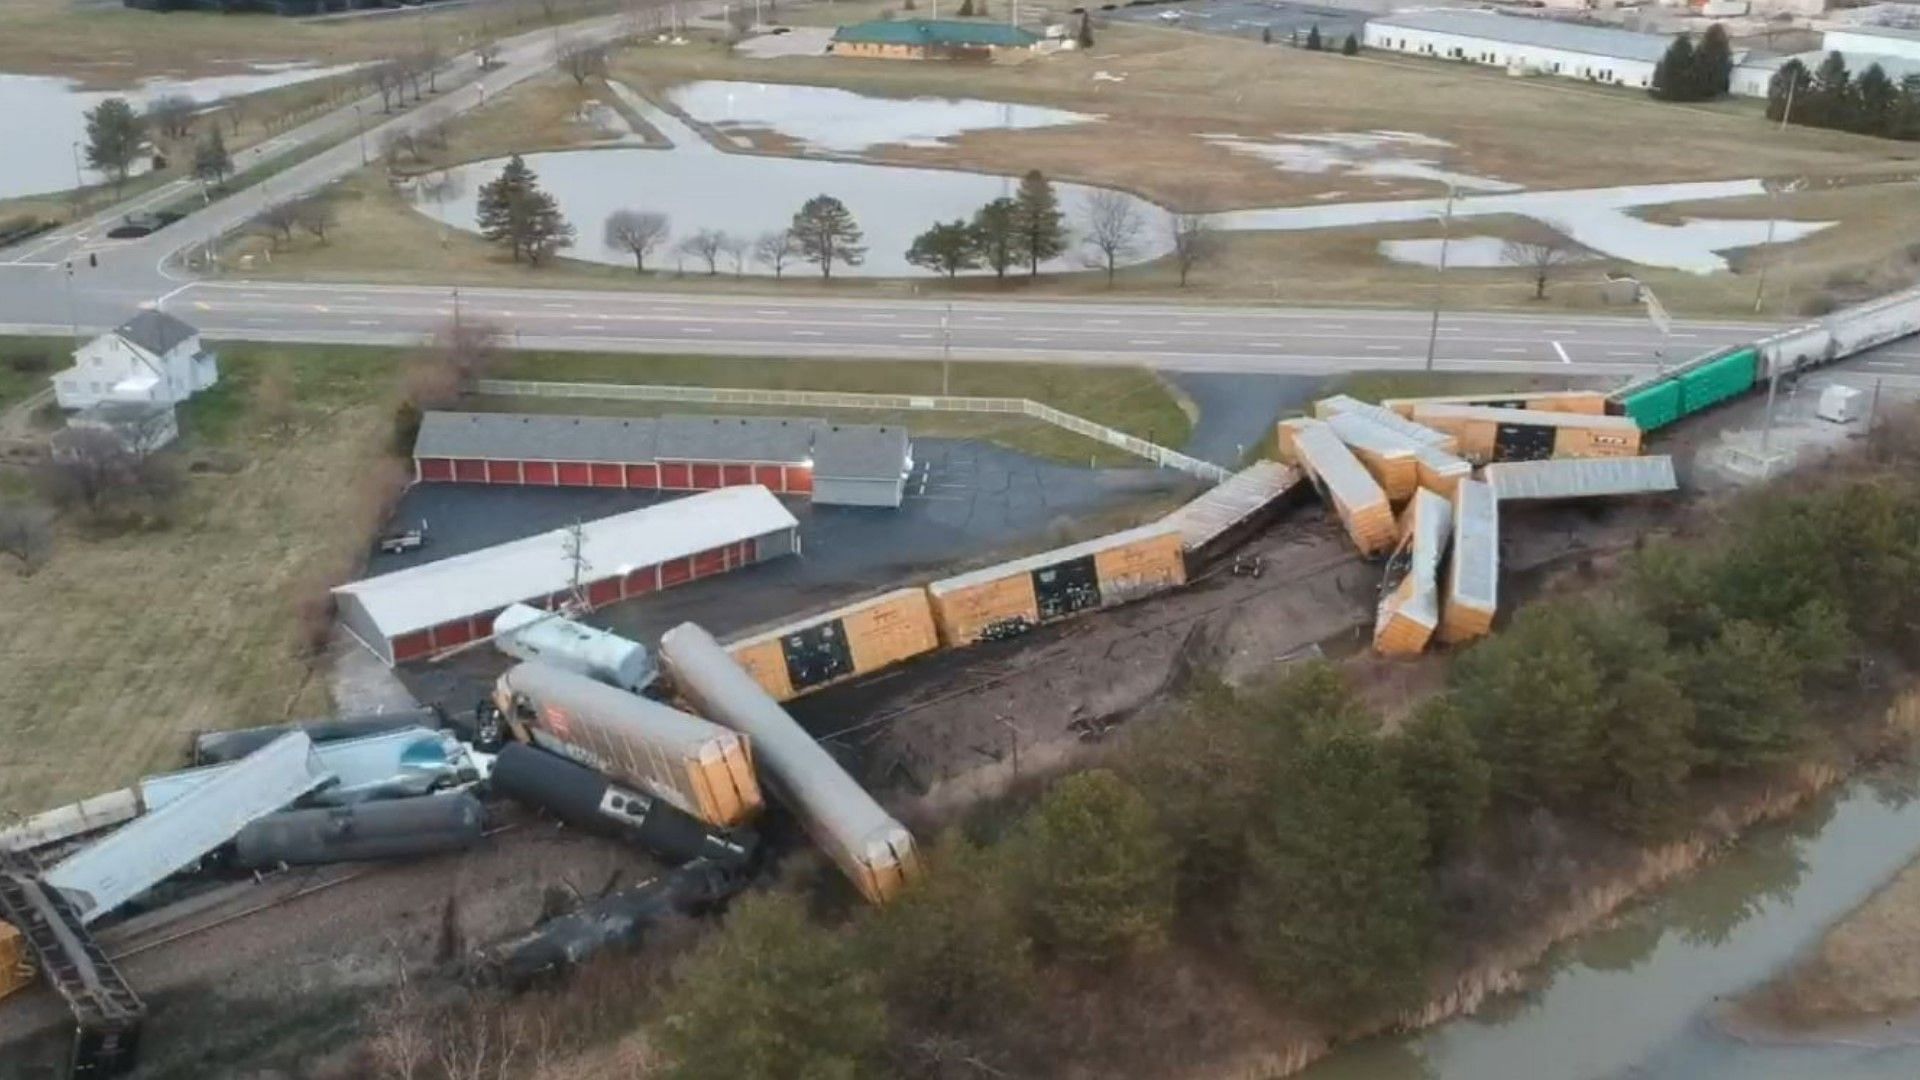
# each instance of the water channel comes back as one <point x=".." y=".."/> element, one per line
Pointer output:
<point x="1640" y="1000"/>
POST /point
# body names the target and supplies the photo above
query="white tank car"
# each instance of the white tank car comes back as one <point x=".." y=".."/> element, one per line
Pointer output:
<point x="697" y="766"/>
<point x="870" y="847"/>
<point x="528" y="633"/>
<point x="1875" y="322"/>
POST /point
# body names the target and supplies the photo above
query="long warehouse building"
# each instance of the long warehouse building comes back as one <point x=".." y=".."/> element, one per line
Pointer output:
<point x="417" y="612"/>
<point x="835" y="464"/>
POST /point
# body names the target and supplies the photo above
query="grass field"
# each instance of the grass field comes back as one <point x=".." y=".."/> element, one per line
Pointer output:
<point x="122" y="646"/>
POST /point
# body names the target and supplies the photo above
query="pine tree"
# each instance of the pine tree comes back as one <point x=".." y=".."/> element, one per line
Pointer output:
<point x="1745" y="686"/>
<point x="1266" y="35"/>
<point x="966" y="9"/>
<point x="1830" y="98"/>
<point x="1532" y="695"/>
<point x="211" y="162"/>
<point x="1440" y="768"/>
<point x="996" y="235"/>
<point x="1040" y="223"/>
<point x="1314" y="43"/>
<point x="946" y="248"/>
<point x="1673" y="75"/>
<point x="1336" y="913"/>
<point x="1905" y="121"/>
<point x="496" y="204"/>
<point x="1788" y="89"/>
<point x="1877" y="96"/>
<point x="1643" y="750"/>
<point x="824" y="232"/>
<point x="1350" y="47"/>
<point x="115" y="136"/>
<point x="1712" y="64"/>
<point x="1084" y="39"/>
<point x="1095" y="870"/>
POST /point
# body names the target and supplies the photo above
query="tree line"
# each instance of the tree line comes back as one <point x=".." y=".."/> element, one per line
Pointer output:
<point x="1687" y="73"/>
<point x="1285" y="834"/>
<point x="1832" y="97"/>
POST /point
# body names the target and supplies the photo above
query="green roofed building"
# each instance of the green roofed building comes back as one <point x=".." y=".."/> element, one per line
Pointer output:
<point x="929" y="39"/>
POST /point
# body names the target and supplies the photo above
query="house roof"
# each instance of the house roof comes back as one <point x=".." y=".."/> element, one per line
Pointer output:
<point x="735" y="438"/>
<point x="935" y="32"/>
<point x="860" y="452"/>
<point x="491" y="578"/>
<point x="155" y="331"/>
<point x="514" y="436"/>
<point x="837" y="450"/>
<point x="1540" y="32"/>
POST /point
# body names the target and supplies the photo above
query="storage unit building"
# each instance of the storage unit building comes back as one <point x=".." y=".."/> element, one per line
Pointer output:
<point x="1356" y="496"/>
<point x="414" y="613"/>
<point x="1599" y="54"/>
<point x="857" y="639"/>
<point x="1473" y="577"/>
<point x="1410" y="612"/>
<point x="866" y="463"/>
<point x="1013" y="597"/>
<point x="1492" y="434"/>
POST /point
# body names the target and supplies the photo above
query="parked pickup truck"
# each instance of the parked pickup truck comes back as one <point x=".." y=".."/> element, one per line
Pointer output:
<point x="399" y="543"/>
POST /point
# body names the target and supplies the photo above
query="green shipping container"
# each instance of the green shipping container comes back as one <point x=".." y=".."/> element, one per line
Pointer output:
<point x="1655" y="407"/>
<point x="1717" y="380"/>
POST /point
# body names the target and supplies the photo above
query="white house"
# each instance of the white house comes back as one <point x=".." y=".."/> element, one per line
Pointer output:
<point x="1523" y="44"/>
<point x="151" y="359"/>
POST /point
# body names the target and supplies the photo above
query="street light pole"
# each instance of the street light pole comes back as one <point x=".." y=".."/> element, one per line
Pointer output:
<point x="946" y="348"/>
<point x="79" y="184"/>
<point x="360" y="124"/>
<point x="1440" y="278"/>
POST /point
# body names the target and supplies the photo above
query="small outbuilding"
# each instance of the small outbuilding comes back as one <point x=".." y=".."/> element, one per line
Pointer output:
<point x="929" y="39"/>
<point x="861" y="465"/>
<point x="423" y="610"/>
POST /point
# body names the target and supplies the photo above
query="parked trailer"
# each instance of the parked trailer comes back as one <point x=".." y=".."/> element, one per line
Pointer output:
<point x="1583" y="402"/>
<point x="525" y="632"/>
<point x="1356" y="497"/>
<point x="620" y="918"/>
<point x="1473" y="576"/>
<point x="585" y="799"/>
<point x="841" y="644"/>
<point x="1013" y="597"/>
<point x="874" y="851"/>
<point x="394" y="829"/>
<point x="217" y="747"/>
<point x="697" y="766"/>
<point x="1491" y="434"/>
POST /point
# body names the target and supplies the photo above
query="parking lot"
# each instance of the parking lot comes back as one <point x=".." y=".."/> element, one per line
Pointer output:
<point x="1247" y="18"/>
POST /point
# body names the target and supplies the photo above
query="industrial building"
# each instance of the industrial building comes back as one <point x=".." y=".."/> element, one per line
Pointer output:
<point x="835" y="464"/>
<point x="1523" y="45"/>
<point x="423" y="610"/>
<point x="1753" y="75"/>
<point x="929" y="39"/>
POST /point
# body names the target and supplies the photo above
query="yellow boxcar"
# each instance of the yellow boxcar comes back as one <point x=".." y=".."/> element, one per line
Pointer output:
<point x="16" y="963"/>
<point x="1584" y="402"/>
<point x="1491" y="434"/>
<point x="841" y="644"/>
<point x="1286" y="439"/>
<point x="1015" y="596"/>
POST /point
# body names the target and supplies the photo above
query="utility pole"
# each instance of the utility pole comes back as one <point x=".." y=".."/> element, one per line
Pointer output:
<point x="73" y="309"/>
<point x="1787" y="110"/>
<point x="1773" y="220"/>
<point x="1440" y="278"/>
<point x="360" y="124"/>
<point x="946" y="348"/>
<point x="456" y="312"/>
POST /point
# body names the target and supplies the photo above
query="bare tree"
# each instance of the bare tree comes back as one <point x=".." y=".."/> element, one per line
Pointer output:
<point x="1194" y="240"/>
<point x="399" y="145"/>
<point x="1543" y="256"/>
<point x="273" y="401"/>
<point x="735" y="248"/>
<point x="582" y="60"/>
<point x="1113" y="225"/>
<point x="316" y="214"/>
<point x="171" y="115"/>
<point x="775" y="249"/>
<point x="26" y="533"/>
<point x="636" y="231"/>
<point x="94" y="468"/>
<point x="706" y="246"/>
<point x="279" y="221"/>
<point x="388" y="77"/>
<point x="470" y="348"/>
<point x="436" y="129"/>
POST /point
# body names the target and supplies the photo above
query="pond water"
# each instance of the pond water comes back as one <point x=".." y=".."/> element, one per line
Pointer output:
<point x="829" y="120"/>
<point x="1379" y="155"/>
<point x="1640" y="1000"/>
<point x="41" y="117"/>
<point x="699" y="187"/>
<point x="1463" y="252"/>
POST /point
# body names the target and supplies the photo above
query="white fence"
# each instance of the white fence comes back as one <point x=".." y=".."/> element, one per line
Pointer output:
<point x="826" y="399"/>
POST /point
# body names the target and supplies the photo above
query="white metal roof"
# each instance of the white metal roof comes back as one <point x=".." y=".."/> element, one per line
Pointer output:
<point x="1418" y="597"/>
<point x="1538" y="32"/>
<point x="1329" y="459"/>
<point x="1475" y="577"/>
<point x="1524" y="417"/>
<point x="1232" y="501"/>
<point x="1574" y="478"/>
<point x="1049" y="558"/>
<point x="1386" y="418"/>
<point x="1361" y="433"/>
<point x="489" y="579"/>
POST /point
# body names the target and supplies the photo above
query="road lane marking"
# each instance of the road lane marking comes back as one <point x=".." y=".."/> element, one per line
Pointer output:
<point x="558" y="307"/>
<point x="693" y="329"/>
<point x="321" y="308"/>
<point x="1509" y="349"/>
<point x="365" y="322"/>
<point x="1147" y="341"/>
<point x="203" y="305"/>
<point x="987" y="318"/>
<point x="1382" y="348"/>
<point x="1562" y="350"/>
<point x="808" y="333"/>
<point x="1034" y="340"/>
<point x="915" y="337"/>
<point x="589" y="326"/>
<point x="767" y="311"/>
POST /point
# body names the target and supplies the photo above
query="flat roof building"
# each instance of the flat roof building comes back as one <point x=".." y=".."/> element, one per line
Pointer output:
<point x="427" y="609"/>
<point x="929" y="39"/>
<point x="1602" y="54"/>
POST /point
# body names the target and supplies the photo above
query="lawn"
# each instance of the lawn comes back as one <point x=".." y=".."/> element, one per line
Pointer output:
<point x="122" y="646"/>
<point x="25" y="364"/>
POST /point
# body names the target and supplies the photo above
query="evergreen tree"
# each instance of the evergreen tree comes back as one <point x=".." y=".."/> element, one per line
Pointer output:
<point x="1314" y="44"/>
<point x="115" y="136"/>
<point x="1830" y="98"/>
<point x="1673" y="75"/>
<point x="1350" y="47"/>
<point x="1745" y="686"/>
<point x="1084" y="38"/>
<point x="1788" y="90"/>
<point x="211" y="162"/>
<point x="1440" y="768"/>
<point x="1095" y="870"/>
<point x="1642" y="749"/>
<point x="966" y="9"/>
<point x="772" y="995"/>
<point x="1712" y="65"/>
<point x="824" y="232"/>
<point x="1905" y="120"/>
<point x="1266" y="35"/>
<point x="1531" y="694"/>
<point x="996" y="235"/>
<point x="1041" y="225"/>
<point x="946" y="248"/>
<point x="1876" y="96"/>
<point x="1336" y="913"/>
<point x="514" y="210"/>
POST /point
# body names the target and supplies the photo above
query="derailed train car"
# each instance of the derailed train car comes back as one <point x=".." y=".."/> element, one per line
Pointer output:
<point x="873" y="850"/>
<point x="584" y="799"/>
<point x="389" y="829"/>
<point x="697" y="766"/>
<point x="1494" y="434"/>
<point x="845" y="643"/>
<point x="1011" y="598"/>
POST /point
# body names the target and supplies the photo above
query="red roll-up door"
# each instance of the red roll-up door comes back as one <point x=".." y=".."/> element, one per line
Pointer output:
<point x="609" y="475"/>
<point x="675" y="573"/>
<point x="607" y="591"/>
<point x="503" y="472"/>
<point x="709" y="562"/>
<point x="435" y="468"/>
<point x="538" y="472"/>
<point x="483" y="624"/>
<point x="773" y="477"/>
<point x="470" y="472"/>
<point x="799" y="480"/>
<point x="643" y="476"/>
<point x="447" y="635"/>
<point x="705" y="477"/>
<point x="575" y="474"/>
<point x="644" y="580"/>
<point x="411" y="646"/>
<point x="735" y="475"/>
<point x="743" y="553"/>
<point x="673" y="476"/>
